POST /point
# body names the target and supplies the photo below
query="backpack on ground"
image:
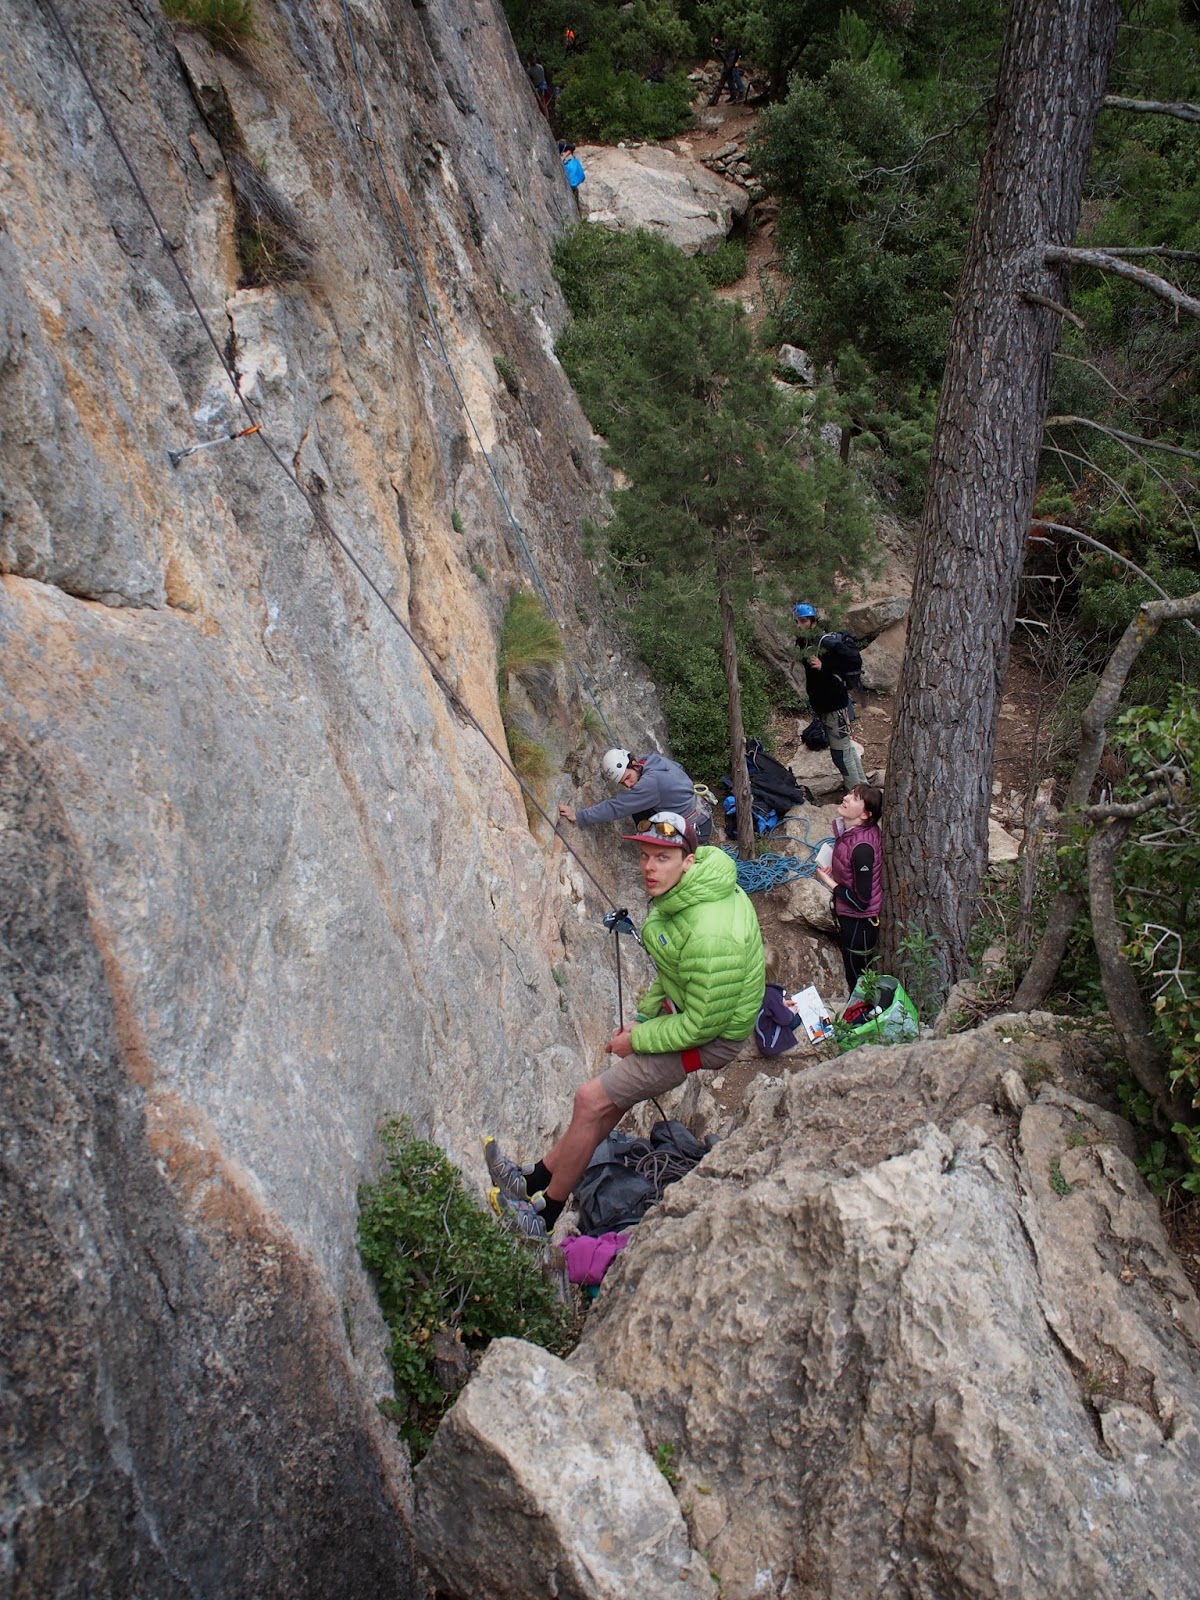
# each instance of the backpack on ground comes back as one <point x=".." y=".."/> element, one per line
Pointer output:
<point x="626" y="1176"/>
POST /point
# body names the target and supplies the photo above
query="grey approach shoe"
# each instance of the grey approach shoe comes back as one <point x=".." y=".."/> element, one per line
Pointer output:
<point x="506" y="1175"/>
<point x="521" y="1217"/>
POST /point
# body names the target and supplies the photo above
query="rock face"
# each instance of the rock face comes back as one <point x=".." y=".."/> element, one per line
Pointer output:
<point x="653" y="188"/>
<point x="540" y="1483"/>
<point x="909" y="1345"/>
<point x="173" y="1367"/>
<point x="310" y="888"/>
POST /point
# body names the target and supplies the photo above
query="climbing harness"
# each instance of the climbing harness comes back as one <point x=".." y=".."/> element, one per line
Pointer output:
<point x="210" y="444"/>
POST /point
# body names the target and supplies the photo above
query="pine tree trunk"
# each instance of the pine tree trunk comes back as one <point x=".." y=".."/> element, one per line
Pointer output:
<point x="983" y="471"/>
<point x="737" y="732"/>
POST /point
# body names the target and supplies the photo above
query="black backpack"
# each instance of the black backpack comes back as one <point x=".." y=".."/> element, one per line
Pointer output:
<point x="814" y="736"/>
<point x="844" y="656"/>
<point x="626" y="1176"/>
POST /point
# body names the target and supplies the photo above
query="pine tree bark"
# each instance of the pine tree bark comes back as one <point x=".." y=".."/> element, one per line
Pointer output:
<point x="983" y="470"/>
<point x="737" y="730"/>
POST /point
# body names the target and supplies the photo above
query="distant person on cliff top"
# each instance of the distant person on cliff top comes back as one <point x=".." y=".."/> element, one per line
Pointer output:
<point x="702" y="934"/>
<point x="646" y="784"/>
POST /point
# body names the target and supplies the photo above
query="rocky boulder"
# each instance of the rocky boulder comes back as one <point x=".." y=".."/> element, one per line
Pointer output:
<point x="540" y="1482"/>
<point x="869" y="618"/>
<point x="652" y="187"/>
<point x="883" y="659"/>
<point x="922" y="1342"/>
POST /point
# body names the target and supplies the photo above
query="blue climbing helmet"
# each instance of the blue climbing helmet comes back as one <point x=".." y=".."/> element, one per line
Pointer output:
<point x="803" y="611"/>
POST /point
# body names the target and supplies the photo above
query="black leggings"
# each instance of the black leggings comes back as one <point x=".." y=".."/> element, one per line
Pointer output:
<point x="858" y="937"/>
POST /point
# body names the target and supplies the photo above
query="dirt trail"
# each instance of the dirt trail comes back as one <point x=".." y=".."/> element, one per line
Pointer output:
<point x="716" y="126"/>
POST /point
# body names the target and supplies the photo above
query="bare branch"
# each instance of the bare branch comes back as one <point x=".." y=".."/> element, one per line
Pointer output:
<point x="1035" y="985"/>
<point x="1062" y="355"/>
<point x="1141" y="1049"/>
<point x="1162" y="108"/>
<point x="1127" y="811"/>
<point x="1086" y="538"/>
<point x="1053" y="305"/>
<point x="1125" y="438"/>
<point x="1151" y="250"/>
<point x="1150" y="618"/>
<point x="1103" y="261"/>
<point x="1130" y="442"/>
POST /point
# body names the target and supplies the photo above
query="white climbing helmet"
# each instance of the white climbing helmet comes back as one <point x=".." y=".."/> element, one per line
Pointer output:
<point x="615" y="764"/>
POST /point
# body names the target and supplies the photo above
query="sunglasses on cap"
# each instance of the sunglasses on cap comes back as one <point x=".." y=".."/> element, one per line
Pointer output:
<point x="666" y="830"/>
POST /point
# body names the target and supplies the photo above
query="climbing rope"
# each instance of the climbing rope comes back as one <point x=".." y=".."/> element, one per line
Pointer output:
<point x="769" y="871"/>
<point x="368" y="136"/>
<point x="315" y="507"/>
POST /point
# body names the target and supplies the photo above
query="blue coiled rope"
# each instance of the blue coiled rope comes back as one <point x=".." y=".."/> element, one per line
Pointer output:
<point x="769" y="871"/>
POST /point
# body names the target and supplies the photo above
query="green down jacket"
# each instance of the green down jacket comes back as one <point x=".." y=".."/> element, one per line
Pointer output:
<point x="704" y="938"/>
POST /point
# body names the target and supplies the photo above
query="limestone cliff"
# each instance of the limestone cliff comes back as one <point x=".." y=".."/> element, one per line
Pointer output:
<point x="264" y="884"/>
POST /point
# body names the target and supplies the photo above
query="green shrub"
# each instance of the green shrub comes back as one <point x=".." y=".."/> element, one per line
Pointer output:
<point x="605" y="105"/>
<point x="725" y="265"/>
<point x="222" y="22"/>
<point x="508" y="374"/>
<point x="443" y="1265"/>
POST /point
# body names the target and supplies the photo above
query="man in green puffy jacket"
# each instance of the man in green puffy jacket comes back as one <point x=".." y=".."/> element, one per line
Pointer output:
<point x="703" y="936"/>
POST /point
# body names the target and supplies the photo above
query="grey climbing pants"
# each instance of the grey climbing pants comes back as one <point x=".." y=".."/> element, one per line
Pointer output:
<point x="842" y="748"/>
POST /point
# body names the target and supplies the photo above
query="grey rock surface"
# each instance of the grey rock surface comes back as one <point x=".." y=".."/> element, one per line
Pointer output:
<point x="917" y="1346"/>
<point x="180" y="1411"/>
<point x="314" y="887"/>
<point x="797" y="361"/>
<point x="668" y="194"/>
<point x="540" y="1482"/>
<point x="883" y="658"/>
<point x="869" y="618"/>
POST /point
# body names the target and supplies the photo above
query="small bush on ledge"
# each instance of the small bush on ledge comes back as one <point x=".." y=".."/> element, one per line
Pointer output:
<point x="448" y="1277"/>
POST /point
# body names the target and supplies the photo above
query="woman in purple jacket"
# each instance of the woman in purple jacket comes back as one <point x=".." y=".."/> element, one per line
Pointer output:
<point x="856" y="877"/>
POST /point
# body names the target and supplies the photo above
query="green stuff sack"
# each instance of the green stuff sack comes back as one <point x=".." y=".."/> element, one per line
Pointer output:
<point x="894" y="1019"/>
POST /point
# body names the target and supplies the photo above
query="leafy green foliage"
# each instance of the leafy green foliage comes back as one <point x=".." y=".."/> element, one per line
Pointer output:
<point x="222" y="22"/>
<point x="687" y="667"/>
<point x="725" y="265"/>
<point x="443" y="1265"/>
<point x="875" y="216"/>
<point x="1160" y="876"/>
<point x="664" y="1460"/>
<point x="529" y="640"/>
<point x="508" y="375"/>
<point x="607" y="104"/>
<point x="725" y="476"/>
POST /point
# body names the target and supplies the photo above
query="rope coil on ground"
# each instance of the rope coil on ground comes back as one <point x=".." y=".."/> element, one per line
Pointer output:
<point x="770" y="870"/>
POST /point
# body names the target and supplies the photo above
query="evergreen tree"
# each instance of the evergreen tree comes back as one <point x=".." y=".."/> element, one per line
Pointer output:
<point x="731" y="492"/>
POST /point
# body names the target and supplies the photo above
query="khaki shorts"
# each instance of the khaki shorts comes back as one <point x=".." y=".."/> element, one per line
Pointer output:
<point x="636" y="1077"/>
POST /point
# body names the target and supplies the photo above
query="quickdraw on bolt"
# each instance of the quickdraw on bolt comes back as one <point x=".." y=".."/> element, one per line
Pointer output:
<point x="178" y="455"/>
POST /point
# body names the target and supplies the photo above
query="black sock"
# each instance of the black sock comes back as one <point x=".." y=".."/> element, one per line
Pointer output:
<point x="551" y="1212"/>
<point x="538" y="1179"/>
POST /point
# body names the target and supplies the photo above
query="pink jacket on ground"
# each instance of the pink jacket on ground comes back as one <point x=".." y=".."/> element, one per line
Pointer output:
<point x="589" y="1259"/>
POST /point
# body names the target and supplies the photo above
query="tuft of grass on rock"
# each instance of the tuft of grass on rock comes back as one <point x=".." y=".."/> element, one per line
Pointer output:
<point x="226" y="23"/>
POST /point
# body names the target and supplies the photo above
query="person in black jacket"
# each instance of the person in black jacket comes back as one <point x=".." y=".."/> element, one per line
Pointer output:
<point x="831" y="660"/>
